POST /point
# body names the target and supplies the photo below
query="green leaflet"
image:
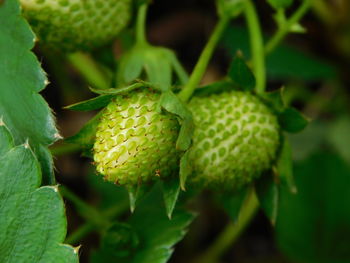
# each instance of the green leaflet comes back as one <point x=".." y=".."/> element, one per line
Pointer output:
<point x="313" y="225"/>
<point x="32" y="221"/>
<point x="284" y="63"/>
<point x="24" y="111"/>
<point x="150" y="232"/>
<point x="241" y="74"/>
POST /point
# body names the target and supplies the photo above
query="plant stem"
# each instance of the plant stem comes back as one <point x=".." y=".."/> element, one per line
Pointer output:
<point x="203" y="60"/>
<point x="231" y="232"/>
<point x="256" y="45"/>
<point x="88" y="68"/>
<point x="80" y="233"/>
<point x="90" y="213"/>
<point x="63" y="149"/>
<point x="141" y="24"/>
<point x="285" y="28"/>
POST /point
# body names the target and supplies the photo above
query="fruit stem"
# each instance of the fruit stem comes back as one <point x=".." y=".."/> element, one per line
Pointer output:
<point x="203" y="60"/>
<point x="256" y="45"/>
<point x="88" y="68"/>
<point x="285" y="28"/>
<point x="141" y="24"/>
<point x="231" y="232"/>
<point x="63" y="149"/>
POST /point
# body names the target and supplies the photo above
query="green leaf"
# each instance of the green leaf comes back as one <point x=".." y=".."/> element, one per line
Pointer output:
<point x="34" y="225"/>
<point x="171" y="190"/>
<point x="232" y="202"/>
<point x="314" y="225"/>
<point x="156" y="233"/>
<point x="285" y="62"/>
<point x="241" y="74"/>
<point x="268" y="194"/>
<point x="309" y="140"/>
<point x="285" y="165"/>
<point x="91" y="104"/>
<point x="277" y="4"/>
<point x="339" y="138"/>
<point x="24" y="111"/>
<point x="171" y="103"/>
<point x="291" y="120"/>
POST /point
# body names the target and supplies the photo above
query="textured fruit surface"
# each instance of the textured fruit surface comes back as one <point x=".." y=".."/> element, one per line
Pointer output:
<point x="134" y="142"/>
<point x="235" y="139"/>
<point x="76" y="24"/>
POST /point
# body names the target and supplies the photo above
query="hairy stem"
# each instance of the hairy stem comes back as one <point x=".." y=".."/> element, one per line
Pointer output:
<point x="256" y="45"/>
<point x="203" y="60"/>
<point x="231" y="232"/>
<point x="88" y="68"/>
<point x="285" y="28"/>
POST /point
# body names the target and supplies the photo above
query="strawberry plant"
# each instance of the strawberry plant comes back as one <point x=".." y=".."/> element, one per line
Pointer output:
<point x="131" y="132"/>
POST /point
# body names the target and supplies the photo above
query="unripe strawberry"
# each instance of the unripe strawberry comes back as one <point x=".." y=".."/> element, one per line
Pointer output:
<point x="77" y="24"/>
<point x="235" y="139"/>
<point x="135" y="142"/>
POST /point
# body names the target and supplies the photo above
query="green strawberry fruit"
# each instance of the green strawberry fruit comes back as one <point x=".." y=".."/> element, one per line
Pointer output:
<point x="236" y="138"/>
<point x="135" y="142"/>
<point x="76" y="24"/>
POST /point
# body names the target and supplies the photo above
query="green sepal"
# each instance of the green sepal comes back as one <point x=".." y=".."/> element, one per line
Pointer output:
<point x="241" y="74"/>
<point x="229" y="8"/>
<point x="232" y="202"/>
<point x="121" y="90"/>
<point x="171" y="103"/>
<point x="284" y="165"/>
<point x="91" y="104"/>
<point x="215" y="88"/>
<point x="291" y="120"/>
<point x="274" y="99"/>
<point x="136" y="193"/>
<point x="171" y="189"/>
<point x="86" y="136"/>
<point x="267" y="191"/>
<point x="185" y="169"/>
<point x="158" y="64"/>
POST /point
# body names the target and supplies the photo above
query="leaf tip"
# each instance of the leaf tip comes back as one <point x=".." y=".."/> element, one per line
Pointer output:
<point x="2" y="123"/>
<point x="76" y="249"/>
